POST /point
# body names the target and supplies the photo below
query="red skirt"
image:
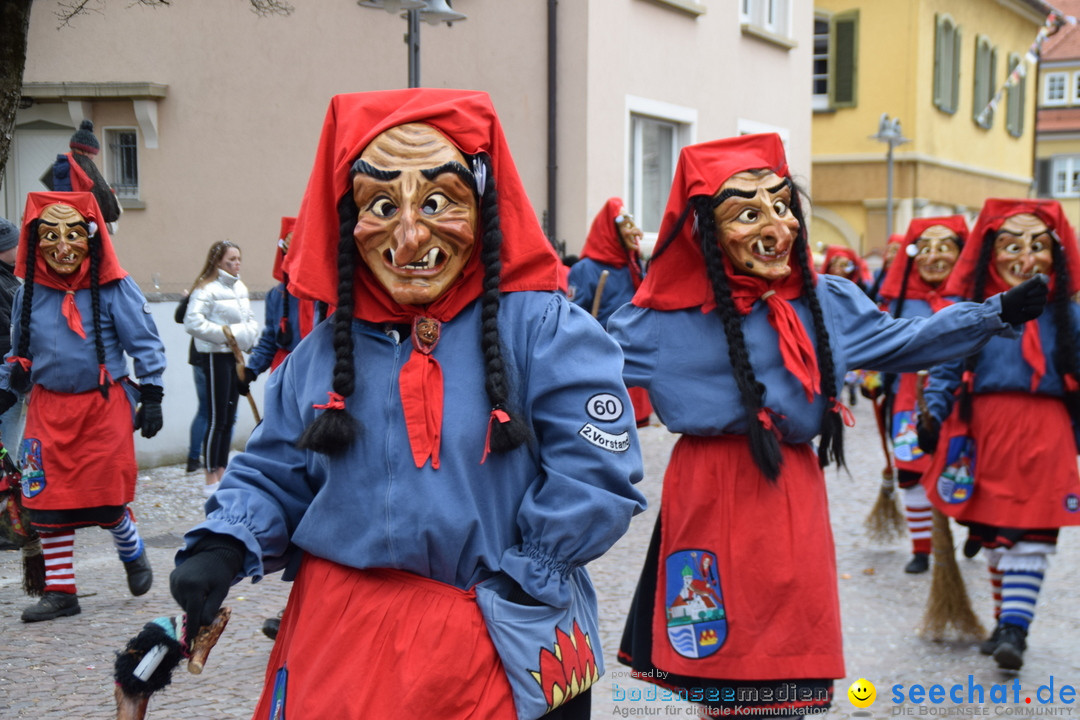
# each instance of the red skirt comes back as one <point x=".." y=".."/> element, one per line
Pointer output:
<point x="359" y="644"/>
<point x="747" y="585"/>
<point x="77" y="450"/>
<point x="1025" y="463"/>
<point x="639" y="397"/>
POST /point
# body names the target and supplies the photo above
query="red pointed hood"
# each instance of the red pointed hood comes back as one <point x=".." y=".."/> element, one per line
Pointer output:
<point x="287" y="225"/>
<point x="894" y="275"/>
<point x="992" y="216"/>
<point x="468" y="120"/>
<point x="109" y="269"/>
<point x="604" y="245"/>
<point x="676" y="277"/>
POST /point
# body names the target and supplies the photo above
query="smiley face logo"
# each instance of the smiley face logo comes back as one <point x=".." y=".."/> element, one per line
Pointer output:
<point x="862" y="693"/>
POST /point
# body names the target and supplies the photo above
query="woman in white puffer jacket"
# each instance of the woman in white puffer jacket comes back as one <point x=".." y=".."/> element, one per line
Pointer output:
<point x="219" y="299"/>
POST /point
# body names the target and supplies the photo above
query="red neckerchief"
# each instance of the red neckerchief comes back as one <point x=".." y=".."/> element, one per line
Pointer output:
<point x="919" y="289"/>
<point x="604" y="244"/>
<point x="798" y="352"/>
<point x="468" y="120"/>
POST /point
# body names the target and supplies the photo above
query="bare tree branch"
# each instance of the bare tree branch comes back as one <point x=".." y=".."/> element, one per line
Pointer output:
<point x="69" y="10"/>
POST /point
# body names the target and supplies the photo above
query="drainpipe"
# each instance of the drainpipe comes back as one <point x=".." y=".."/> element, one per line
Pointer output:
<point x="552" y="145"/>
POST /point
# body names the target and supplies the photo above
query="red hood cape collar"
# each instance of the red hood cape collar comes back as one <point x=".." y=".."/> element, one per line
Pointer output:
<point x="918" y="288"/>
<point x="995" y="212"/>
<point x="467" y="119"/>
<point x="108" y="271"/>
<point x="677" y="277"/>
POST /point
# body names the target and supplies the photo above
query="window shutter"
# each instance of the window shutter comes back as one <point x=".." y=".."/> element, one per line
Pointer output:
<point x="845" y="44"/>
<point x="954" y="101"/>
<point x="1014" y="112"/>
<point x="978" y="101"/>
<point x="939" y="66"/>
<point x="1043" y="168"/>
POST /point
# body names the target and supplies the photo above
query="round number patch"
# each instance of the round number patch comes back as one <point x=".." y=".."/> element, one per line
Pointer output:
<point x="604" y="406"/>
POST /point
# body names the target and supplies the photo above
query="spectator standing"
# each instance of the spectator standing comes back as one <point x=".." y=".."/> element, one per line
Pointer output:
<point x="219" y="300"/>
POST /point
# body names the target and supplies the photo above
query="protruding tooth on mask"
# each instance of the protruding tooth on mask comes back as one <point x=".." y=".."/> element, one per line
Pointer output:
<point x="432" y="257"/>
<point x="760" y="247"/>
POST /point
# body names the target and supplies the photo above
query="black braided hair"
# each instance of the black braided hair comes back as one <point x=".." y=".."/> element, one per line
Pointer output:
<point x="284" y="334"/>
<point x="512" y="433"/>
<point x="764" y="444"/>
<point x="335" y="429"/>
<point x="20" y="377"/>
<point x="1065" y="333"/>
<point x="831" y="445"/>
<point x="95" y="301"/>
<point x="909" y="263"/>
<point x="981" y="275"/>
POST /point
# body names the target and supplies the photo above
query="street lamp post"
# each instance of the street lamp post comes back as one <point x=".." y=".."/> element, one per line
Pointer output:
<point x="889" y="132"/>
<point x="432" y="12"/>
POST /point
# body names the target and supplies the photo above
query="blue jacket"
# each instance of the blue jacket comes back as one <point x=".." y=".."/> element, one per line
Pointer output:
<point x="1000" y="366"/>
<point x="535" y="513"/>
<point x="681" y="357"/>
<point x="262" y="355"/>
<point x="584" y="278"/>
<point x="64" y="362"/>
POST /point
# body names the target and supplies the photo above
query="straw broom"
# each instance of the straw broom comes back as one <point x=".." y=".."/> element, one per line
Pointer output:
<point x="886" y="520"/>
<point x="948" y="604"/>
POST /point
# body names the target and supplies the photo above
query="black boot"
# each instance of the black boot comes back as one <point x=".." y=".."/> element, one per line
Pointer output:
<point x="139" y="575"/>
<point x="271" y="626"/>
<point x="51" y="606"/>
<point x="989" y="645"/>
<point x="193" y="464"/>
<point x="919" y="563"/>
<point x="1009" y="654"/>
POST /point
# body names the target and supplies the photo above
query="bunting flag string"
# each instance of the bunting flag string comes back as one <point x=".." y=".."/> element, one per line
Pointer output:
<point x="1054" y="22"/>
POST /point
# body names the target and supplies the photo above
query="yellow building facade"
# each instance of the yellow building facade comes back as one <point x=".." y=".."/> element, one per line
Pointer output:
<point x="932" y="65"/>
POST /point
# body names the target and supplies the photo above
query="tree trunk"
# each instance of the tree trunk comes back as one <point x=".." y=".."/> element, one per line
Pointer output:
<point x="14" y="28"/>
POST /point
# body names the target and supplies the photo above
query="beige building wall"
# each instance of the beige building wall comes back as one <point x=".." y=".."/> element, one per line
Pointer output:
<point x="244" y="98"/>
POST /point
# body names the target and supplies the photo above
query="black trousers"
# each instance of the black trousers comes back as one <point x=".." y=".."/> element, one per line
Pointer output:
<point x="222" y="392"/>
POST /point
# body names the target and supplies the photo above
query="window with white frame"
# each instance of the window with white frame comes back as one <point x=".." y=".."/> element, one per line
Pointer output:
<point x="821" y="63"/>
<point x="654" y="150"/>
<point x="773" y="16"/>
<point x="1065" y="176"/>
<point x="835" y="60"/>
<point x="1076" y="88"/>
<point x="1055" y="88"/>
<point x="123" y="162"/>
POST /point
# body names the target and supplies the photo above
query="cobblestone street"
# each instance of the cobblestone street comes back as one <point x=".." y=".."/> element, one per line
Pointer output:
<point x="63" y="669"/>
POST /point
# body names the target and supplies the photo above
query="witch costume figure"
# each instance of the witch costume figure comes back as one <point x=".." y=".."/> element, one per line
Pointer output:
<point x="609" y="273"/>
<point x="1014" y="484"/>
<point x="76" y="320"/>
<point x="742" y="348"/>
<point x="446" y="452"/>
<point x="288" y="319"/>
<point x="913" y="288"/>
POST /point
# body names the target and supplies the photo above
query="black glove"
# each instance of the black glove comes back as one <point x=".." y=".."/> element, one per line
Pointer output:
<point x="148" y="417"/>
<point x="929" y="434"/>
<point x="249" y="377"/>
<point x="1025" y="301"/>
<point x="7" y="400"/>
<point x="201" y="583"/>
